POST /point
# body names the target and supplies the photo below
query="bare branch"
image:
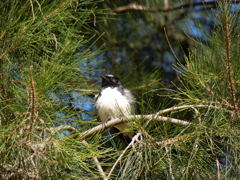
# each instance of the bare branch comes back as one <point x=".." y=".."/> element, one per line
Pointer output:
<point x="170" y="163"/>
<point x="10" y="49"/>
<point x="2" y="80"/>
<point x="133" y="6"/>
<point x="161" y="118"/>
<point x="151" y="83"/>
<point x="218" y="170"/>
<point x="113" y="122"/>
<point x="61" y="128"/>
<point x="33" y="14"/>
<point x="228" y="60"/>
<point x="11" y="172"/>
<point x="89" y="91"/>
<point x="156" y="116"/>
<point x="100" y="127"/>
<point x="40" y="146"/>
<point x="166" y="4"/>
<point x="93" y="91"/>
<point x="174" y="140"/>
<point x="184" y="107"/>
<point x="137" y="7"/>
<point x="134" y="139"/>
<point x="32" y="101"/>
<point x="99" y="167"/>
<point x="116" y="121"/>
<point x="32" y="96"/>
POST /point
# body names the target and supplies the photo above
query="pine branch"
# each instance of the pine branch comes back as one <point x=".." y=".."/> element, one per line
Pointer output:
<point x="134" y="139"/>
<point x="70" y="128"/>
<point x="166" y="4"/>
<point x="32" y="8"/>
<point x="10" y="49"/>
<point x="116" y="121"/>
<point x="218" y="170"/>
<point x="223" y="103"/>
<point x="161" y="119"/>
<point x="113" y="122"/>
<point x="99" y="167"/>
<point x="87" y="91"/>
<point x="58" y="9"/>
<point x="92" y="91"/>
<point x="228" y="59"/>
<point x="32" y="96"/>
<point x="13" y="172"/>
<point x="151" y="83"/>
<point x="174" y="140"/>
<point x="61" y="128"/>
<point x="181" y="108"/>
<point x="32" y="101"/>
<point x="15" y="44"/>
<point x="137" y="7"/>
<point x="149" y="117"/>
<point x="170" y="163"/>
<point x="2" y="35"/>
<point x="100" y="127"/>
<point x="2" y="80"/>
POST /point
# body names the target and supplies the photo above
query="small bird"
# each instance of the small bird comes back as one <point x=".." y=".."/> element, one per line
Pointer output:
<point x="114" y="101"/>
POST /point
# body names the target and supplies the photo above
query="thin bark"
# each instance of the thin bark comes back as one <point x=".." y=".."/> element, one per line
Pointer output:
<point x="100" y="127"/>
<point x="228" y="60"/>
<point x="174" y="140"/>
<point x="134" y="139"/>
<point x="99" y="167"/>
<point x="149" y="117"/>
<point x="116" y="121"/>
<point x="137" y="7"/>
<point x="184" y="107"/>
<point x="161" y="118"/>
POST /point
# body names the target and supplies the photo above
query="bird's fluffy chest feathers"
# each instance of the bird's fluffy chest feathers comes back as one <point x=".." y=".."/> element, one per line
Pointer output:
<point x="112" y="103"/>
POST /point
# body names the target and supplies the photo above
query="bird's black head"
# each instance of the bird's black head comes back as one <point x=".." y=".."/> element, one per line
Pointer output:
<point x="110" y="81"/>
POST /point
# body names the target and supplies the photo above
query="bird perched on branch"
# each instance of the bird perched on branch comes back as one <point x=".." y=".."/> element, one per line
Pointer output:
<point x="114" y="101"/>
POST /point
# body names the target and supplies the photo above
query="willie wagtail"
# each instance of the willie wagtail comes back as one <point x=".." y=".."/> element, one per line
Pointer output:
<point x="114" y="101"/>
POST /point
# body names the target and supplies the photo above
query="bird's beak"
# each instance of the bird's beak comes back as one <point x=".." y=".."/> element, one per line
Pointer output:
<point x="104" y="77"/>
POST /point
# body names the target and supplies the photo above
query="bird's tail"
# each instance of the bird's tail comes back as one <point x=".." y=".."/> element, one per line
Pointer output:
<point x="122" y="128"/>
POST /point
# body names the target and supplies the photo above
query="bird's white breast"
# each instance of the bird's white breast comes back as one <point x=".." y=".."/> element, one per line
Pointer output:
<point x="111" y="104"/>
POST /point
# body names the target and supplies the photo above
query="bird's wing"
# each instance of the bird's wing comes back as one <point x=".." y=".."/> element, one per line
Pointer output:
<point x="131" y="99"/>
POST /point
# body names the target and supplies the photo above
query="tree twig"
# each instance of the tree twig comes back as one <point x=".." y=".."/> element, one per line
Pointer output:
<point x="61" y="128"/>
<point x="170" y="163"/>
<point x="100" y="127"/>
<point x="183" y="107"/>
<point x="116" y="121"/>
<point x="174" y="140"/>
<point x="92" y="91"/>
<point x="161" y="118"/>
<point x="228" y="59"/>
<point x="137" y="7"/>
<point x="166" y="4"/>
<point x="32" y="101"/>
<point x="156" y="116"/>
<point x="70" y="128"/>
<point x="134" y="139"/>
<point x="218" y="170"/>
<point x="99" y="167"/>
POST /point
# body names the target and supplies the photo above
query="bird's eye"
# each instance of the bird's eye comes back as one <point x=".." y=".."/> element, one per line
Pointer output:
<point x="115" y="80"/>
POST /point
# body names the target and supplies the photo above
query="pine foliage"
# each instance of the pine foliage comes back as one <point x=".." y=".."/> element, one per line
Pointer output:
<point x="39" y="56"/>
<point x="208" y="148"/>
<point x="43" y="44"/>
